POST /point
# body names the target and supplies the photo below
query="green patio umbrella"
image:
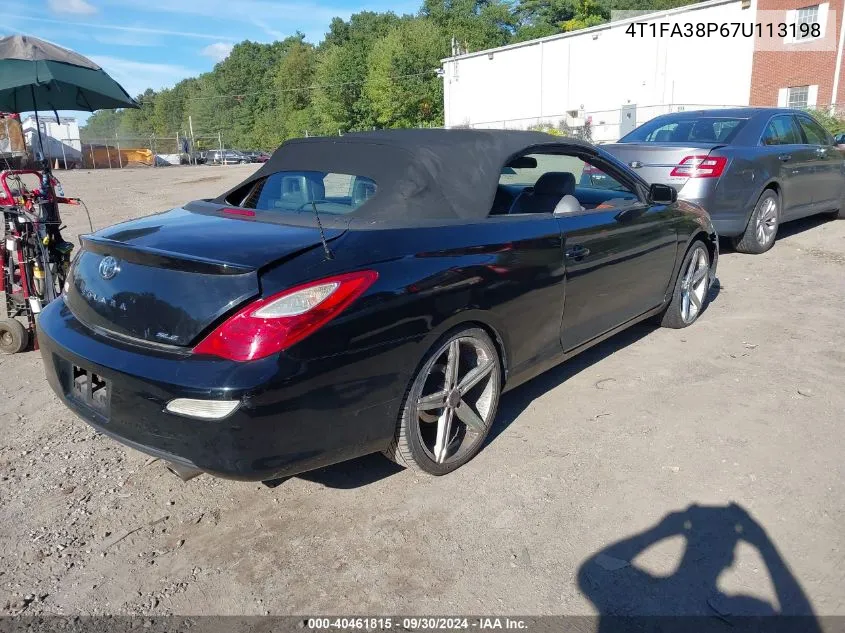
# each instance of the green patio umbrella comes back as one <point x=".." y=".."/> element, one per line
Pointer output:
<point x="37" y="75"/>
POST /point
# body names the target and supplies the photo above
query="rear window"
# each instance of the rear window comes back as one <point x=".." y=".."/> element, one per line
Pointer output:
<point x="686" y="130"/>
<point x="303" y="190"/>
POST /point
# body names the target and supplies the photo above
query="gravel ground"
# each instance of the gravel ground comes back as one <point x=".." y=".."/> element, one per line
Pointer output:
<point x="606" y="486"/>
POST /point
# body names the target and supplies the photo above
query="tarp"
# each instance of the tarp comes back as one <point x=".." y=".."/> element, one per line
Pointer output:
<point x="11" y="136"/>
<point x="100" y="156"/>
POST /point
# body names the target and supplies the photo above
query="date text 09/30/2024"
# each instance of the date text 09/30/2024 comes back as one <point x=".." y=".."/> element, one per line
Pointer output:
<point x="416" y="623"/>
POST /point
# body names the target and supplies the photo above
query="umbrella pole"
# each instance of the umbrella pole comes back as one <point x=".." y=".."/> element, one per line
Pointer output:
<point x="45" y="163"/>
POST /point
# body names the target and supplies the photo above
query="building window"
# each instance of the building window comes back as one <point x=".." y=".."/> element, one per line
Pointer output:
<point x="808" y="16"/>
<point x="798" y="97"/>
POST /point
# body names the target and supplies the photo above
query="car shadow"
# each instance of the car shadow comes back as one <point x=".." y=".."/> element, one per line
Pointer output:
<point x="369" y="469"/>
<point x="617" y="586"/>
<point x="354" y="473"/>
<point x="785" y="231"/>
<point x="515" y="402"/>
<point x="795" y="227"/>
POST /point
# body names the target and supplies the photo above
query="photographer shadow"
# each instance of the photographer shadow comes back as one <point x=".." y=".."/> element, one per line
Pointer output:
<point x="617" y="587"/>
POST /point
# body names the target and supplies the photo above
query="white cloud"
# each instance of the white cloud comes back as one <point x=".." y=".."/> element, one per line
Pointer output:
<point x="128" y="39"/>
<point x="275" y="19"/>
<point x="79" y="7"/>
<point x="217" y="51"/>
<point x="118" y="27"/>
<point x="135" y="77"/>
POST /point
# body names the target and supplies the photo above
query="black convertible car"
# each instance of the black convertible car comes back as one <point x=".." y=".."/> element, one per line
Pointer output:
<point x="373" y="292"/>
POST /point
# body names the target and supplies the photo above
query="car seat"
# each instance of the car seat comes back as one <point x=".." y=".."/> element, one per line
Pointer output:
<point x="545" y="194"/>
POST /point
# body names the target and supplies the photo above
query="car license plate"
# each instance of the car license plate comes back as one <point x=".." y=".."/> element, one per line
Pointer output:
<point x="91" y="390"/>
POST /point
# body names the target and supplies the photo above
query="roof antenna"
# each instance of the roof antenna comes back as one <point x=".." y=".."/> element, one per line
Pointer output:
<point x="326" y="249"/>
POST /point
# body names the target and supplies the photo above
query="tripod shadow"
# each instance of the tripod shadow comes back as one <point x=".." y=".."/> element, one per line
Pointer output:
<point x="711" y="533"/>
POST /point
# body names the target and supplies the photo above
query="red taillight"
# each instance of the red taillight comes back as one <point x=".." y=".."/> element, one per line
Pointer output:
<point x="267" y="326"/>
<point x="700" y="167"/>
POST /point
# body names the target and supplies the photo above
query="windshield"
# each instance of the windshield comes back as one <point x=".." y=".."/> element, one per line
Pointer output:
<point x="686" y="129"/>
<point x="330" y="192"/>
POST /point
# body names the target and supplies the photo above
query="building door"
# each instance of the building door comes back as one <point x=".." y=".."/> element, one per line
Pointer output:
<point x="627" y="118"/>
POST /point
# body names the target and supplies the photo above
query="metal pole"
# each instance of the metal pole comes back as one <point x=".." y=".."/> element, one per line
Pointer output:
<point x="93" y="160"/>
<point x="108" y="153"/>
<point x="220" y="143"/>
<point x="193" y="141"/>
<point x="119" y="157"/>
<point x="64" y="156"/>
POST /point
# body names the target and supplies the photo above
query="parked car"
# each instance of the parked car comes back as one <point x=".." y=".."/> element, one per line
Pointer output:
<point x="751" y="168"/>
<point x="373" y="292"/>
<point x="226" y="157"/>
<point x="839" y="140"/>
<point x="257" y="156"/>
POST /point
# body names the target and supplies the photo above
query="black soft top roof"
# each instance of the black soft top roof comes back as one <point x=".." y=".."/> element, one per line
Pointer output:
<point x="421" y="174"/>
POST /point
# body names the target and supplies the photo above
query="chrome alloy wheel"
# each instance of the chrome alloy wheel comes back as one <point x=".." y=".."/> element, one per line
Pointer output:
<point x="694" y="284"/>
<point x="767" y="221"/>
<point x="456" y="405"/>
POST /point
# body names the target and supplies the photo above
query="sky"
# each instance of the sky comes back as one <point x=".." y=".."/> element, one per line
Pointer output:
<point x="156" y="43"/>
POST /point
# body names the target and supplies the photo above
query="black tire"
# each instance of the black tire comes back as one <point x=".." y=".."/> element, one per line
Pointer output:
<point x="679" y="313"/>
<point x="762" y="228"/>
<point x="410" y="447"/>
<point x="839" y="214"/>
<point x="13" y="336"/>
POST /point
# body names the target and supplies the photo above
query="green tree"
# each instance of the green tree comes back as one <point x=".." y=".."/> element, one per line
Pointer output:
<point x="587" y="13"/>
<point x="476" y="24"/>
<point x="402" y="86"/>
<point x="342" y="69"/>
<point x="292" y="111"/>
<point x="101" y="125"/>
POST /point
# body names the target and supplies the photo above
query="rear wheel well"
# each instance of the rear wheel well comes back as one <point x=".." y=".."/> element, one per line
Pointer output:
<point x="704" y="237"/>
<point x="774" y="186"/>
<point x="497" y="341"/>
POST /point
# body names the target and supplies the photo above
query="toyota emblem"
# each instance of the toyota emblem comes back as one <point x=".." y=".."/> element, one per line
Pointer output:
<point x="109" y="267"/>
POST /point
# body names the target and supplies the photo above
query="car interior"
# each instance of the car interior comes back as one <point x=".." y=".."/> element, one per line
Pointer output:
<point x="298" y="190"/>
<point x="686" y="130"/>
<point x="547" y="183"/>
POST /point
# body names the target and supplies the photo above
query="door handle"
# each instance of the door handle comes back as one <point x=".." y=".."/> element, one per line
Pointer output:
<point x="785" y="157"/>
<point x="577" y="252"/>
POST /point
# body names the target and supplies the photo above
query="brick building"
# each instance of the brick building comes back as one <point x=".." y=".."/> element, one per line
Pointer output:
<point x="801" y="72"/>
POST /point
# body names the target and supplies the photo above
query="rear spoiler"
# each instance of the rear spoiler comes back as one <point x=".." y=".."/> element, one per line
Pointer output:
<point x="160" y="258"/>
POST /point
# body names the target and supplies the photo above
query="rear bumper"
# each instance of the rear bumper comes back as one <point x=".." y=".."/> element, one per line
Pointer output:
<point x="295" y="416"/>
<point x="729" y="216"/>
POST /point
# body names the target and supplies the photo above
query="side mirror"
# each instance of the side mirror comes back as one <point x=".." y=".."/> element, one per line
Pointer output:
<point x="662" y="194"/>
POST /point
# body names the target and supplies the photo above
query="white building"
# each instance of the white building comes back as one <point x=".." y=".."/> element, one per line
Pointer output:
<point x="608" y="77"/>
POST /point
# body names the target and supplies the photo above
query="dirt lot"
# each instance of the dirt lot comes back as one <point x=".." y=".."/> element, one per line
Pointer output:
<point x="746" y="407"/>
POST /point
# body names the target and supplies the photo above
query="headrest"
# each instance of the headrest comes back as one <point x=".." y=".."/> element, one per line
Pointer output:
<point x="362" y="190"/>
<point x="555" y="183"/>
<point x="663" y="136"/>
<point x="568" y="204"/>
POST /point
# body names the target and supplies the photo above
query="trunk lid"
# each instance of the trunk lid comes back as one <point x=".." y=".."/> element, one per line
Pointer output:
<point x="654" y="162"/>
<point x="167" y="277"/>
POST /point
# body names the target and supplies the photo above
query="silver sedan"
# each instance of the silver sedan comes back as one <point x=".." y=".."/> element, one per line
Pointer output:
<point x="751" y="168"/>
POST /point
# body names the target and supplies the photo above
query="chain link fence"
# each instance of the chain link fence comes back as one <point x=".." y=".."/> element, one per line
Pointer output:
<point x="122" y="152"/>
<point x="596" y="126"/>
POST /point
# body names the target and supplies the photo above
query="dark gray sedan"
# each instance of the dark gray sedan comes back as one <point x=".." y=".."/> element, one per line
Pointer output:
<point x="751" y="168"/>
